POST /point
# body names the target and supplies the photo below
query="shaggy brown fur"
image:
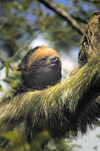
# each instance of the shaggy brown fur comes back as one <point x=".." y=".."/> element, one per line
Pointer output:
<point x="68" y="105"/>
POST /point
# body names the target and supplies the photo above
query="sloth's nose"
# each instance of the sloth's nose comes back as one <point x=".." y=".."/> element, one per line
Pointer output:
<point x="54" y="59"/>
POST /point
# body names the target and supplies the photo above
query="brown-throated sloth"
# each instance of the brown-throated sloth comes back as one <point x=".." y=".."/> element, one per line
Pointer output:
<point x="41" y="67"/>
<point x="67" y="105"/>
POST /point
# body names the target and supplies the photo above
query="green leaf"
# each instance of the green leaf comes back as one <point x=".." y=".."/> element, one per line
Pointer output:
<point x="11" y="135"/>
<point x="1" y="89"/>
<point x="7" y="68"/>
<point x="1" y="149"/>
<point x="0" y="123"/>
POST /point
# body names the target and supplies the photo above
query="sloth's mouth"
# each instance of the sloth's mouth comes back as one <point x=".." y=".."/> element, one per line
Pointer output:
<point x="54" y="64"/>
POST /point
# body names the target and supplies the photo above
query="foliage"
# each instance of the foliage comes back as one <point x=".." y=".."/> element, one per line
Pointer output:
<point x="12" y="78"/>
<point x="21" y="22"/>
<point x="18" y="143"/>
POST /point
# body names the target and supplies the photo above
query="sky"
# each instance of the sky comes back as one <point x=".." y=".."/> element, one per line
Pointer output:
<point x="89" y="141"/>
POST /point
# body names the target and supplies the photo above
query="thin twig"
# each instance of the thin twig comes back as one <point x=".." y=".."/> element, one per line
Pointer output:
<point x="20" y="50"/>
<point x="25" y="46"/>
<point x="17" y="35"/>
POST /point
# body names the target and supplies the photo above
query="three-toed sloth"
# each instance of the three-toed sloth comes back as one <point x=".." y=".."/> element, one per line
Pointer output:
<point x="40" y="101"/>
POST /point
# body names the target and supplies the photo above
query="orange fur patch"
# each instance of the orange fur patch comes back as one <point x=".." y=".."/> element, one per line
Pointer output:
<point x="43" y="52"/>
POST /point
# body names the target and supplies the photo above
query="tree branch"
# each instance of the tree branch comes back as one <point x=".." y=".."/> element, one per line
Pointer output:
<point x="85" y="21"/>
<point x="63" y="14"/>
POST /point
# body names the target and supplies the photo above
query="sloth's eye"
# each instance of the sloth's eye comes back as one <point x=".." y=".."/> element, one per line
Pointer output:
<point x="43" y="60"/>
